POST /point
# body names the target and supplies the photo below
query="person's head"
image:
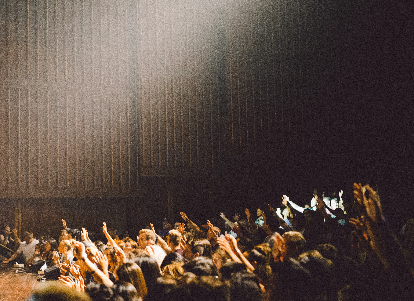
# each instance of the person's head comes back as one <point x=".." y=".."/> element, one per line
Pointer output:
<point x="150" y="269"/>
<point x="220" y="257"/>
<point x="321" y="270"/>
<point x="244" y="286"/>
<point x="65" y="246"/>
<point x="328" y="251"/>
<point x="64" y="234"/>
<point x="51" y="245"/>
<point x="27" y="236"/>
<point x="293" y="244"/>
<point x="174" y="269"/>
<point x="174" y="239"/>
<point x="208" y="288"/>
<point x="7" y="230"/>
<point x="57" y="292"/>
<point x="99" y="292"/>
<point x="201" y="266"/>
<point x="230" y="268"/>
<point x="146" y="237"/>
<point x="285" y="200"/>
<point x="166" y="224"/>
<point x="132" y="273"/>
<point x="213" y="233"/>
<point x="170" y="258"/>
<point x="202" y="248"/>
<point x="74" y="234"/>
<point x="110" y="254"/>
<point x="126" y="291"/>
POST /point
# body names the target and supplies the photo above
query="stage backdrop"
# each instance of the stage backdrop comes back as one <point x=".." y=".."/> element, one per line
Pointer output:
<point x="243" y="100"/>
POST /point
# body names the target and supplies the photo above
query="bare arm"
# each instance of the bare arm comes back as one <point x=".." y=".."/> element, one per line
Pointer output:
<point x="160" y="241"/>
<point x="98" y="274"/>
<point x="108" y="237"/>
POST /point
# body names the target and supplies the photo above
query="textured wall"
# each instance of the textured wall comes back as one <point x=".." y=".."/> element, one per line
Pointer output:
<point x="95" y="95"/>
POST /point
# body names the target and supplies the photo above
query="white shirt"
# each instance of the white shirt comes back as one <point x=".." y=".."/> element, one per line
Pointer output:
<point x="157" y="252"/>
<point x="28" y="249"/>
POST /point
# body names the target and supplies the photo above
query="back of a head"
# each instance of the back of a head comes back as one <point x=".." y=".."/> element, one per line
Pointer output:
<point x="56" y="291"/>
<point x="126" y="291"/>
<point x="231" y="267"/>
<point x="150" y="270"/>
<point x="170" y="258"/>
<point x="294" y="243"/>
<point x="291" y="280"/>
<point x="201" y="266"/>
<point x="99" y="292"/>
<point x="132" y="273"/>
<point x="208" y="288"/>
<point x="203" y="248"/>
<point x="321" y="270"/>
<point x="174" y="237"/>
<point x="244" y="286"/>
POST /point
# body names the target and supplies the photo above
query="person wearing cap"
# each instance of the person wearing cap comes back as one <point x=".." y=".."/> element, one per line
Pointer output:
<point x="26" y="248"/>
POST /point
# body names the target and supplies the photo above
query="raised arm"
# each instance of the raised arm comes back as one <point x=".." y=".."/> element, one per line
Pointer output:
<point x="189" y="222"/>
<point x="227" y="221"/>
<point x="80" y="251"/>
<point x="160" y="241"/>
<point x="108" y="237"/>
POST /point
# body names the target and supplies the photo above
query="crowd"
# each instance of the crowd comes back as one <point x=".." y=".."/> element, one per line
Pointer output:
<point x="323" y="251"/>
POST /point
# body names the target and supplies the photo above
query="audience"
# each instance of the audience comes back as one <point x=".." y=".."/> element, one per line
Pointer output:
<point x="318" y="252"/>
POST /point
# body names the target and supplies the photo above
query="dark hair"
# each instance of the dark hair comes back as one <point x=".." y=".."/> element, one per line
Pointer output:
<point x="125" y="290"/>
<point x="231" y="267"/>
<point x="99" y="292"/>
<point x="201" y="266"/>
<point x="132" y="273"/>
<point x="53" y="243"/>
<point x="244" y="286"/>
<point x="208" y="288"/>
<point x="150" y="269"/>
<point x="203" y="248"/>
<point x="170" y="258"/>
<point x="75" y="233"/>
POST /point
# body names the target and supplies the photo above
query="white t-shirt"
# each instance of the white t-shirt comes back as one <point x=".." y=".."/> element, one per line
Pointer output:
<point x="157" y="252"/>
<point x="28" y="249"/>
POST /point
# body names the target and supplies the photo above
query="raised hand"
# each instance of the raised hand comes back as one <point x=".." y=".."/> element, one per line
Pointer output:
<point x="372" y="204"/>
<point x="181" y="228"/>
<point x="79" y="284"/>
<point x="67" y="280"/>
<point x="79" y="249"/>
<point x="55" y="257"/>
<point x="104" y="228"/>
<point x="224" y="244"/>
<point x="232" y="241"/>
<point x="236" y="217"/>
<point x="152" y="228"/>
<point x="184" y="216"/>
<point x="319" y="202"/>
<point x="102" y="262"/>
<point x="75" y="271"/>
<point x="210" y="225"/>
<point x="119" y="253"/>
<point x="247" y="211"/>
<point x="84" y="235"/>
<point x="64" y="224"/>
<point x="64" y="268"/>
